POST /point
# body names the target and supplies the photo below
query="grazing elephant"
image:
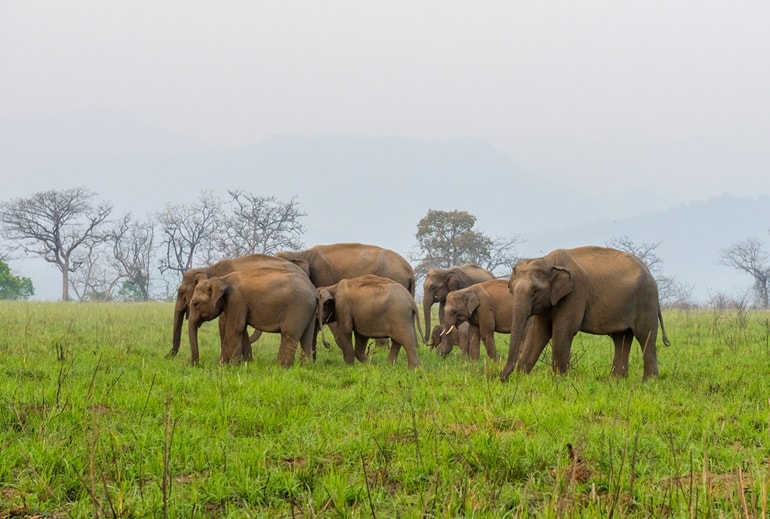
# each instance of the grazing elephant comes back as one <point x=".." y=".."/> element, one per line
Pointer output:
<point x="487" y="307"/>
<point x="590" y="289"/>
<point x="267" y="298"/>
<point x="440" y="281"/>
<point x="456" y="336"/>
<point x="192" y="276"/>
<point x="371" y="307"/>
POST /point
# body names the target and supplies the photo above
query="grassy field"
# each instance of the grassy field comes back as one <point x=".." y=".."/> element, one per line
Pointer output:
<point x="95" y="421"/>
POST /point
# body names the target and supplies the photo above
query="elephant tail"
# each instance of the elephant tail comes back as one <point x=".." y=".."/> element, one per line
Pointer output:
<point x="416" y="317"/>
<point x="662" y="328"/>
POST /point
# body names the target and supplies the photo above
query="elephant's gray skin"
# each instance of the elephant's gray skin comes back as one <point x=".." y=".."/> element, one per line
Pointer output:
<point x="457" y="336"/>
<point x="590" y="289"/>
<point x="266" y="298"/>
<point x="371" y="307"/>
<point x="329" y="264"/>
<point x="191" y="277"/>
<point x="487" y="307"/>
<point x="440" y="281"/>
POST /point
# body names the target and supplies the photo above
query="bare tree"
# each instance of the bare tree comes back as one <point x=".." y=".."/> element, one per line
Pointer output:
<point x="95" y="279"/>
<point x="56" y="225"/>
<point x="670" y="291"/>
<point x="446" y="238"/>
<point x="261" y="224"/>
<point x="751" y="257"/>
<point x="190" y="233"/>
<point x="132" y="252"/>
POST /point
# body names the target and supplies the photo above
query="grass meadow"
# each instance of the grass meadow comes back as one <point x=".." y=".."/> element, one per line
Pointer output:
<point x="96" y="421"/>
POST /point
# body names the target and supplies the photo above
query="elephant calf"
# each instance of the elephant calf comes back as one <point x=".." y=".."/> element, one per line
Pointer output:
<point x="371" y="307"/>
<point x="456" y="336"/>
<point x="268" y="299"/>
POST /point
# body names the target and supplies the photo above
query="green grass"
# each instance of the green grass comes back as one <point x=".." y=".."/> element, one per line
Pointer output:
<point x="96" y="421"/>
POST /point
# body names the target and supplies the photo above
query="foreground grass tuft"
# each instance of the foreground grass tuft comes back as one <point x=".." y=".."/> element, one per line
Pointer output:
<point x="95" y="420"/>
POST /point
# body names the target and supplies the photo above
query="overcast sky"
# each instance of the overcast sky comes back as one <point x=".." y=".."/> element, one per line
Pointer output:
<point x="662" y="95"/>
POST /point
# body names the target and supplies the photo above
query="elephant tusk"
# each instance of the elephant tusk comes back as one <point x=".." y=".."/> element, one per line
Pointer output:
<point x="451" y="328"/>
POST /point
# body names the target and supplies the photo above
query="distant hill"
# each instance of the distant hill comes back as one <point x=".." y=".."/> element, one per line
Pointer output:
<point x="368" y="189"/>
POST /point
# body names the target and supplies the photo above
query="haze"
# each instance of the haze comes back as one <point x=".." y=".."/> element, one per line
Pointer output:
<point x="649" y="103"/>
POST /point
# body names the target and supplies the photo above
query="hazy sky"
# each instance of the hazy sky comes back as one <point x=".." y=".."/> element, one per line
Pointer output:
<point x="660" y="95"/>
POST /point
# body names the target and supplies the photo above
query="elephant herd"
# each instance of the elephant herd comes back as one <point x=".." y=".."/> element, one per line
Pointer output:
<point x="362" y="292"/>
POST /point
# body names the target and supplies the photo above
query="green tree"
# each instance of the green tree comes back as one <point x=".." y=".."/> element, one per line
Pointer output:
<point x="14" y="287"/>
<point x="446" y="238"/>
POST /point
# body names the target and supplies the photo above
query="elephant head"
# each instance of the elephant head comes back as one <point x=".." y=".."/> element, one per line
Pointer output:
<point x="207" y="302"/>
<point x="536" y="285"/>
<point x="459" y="308"/>
<point x="183" y="296"/>
<point x="441" y="281"/>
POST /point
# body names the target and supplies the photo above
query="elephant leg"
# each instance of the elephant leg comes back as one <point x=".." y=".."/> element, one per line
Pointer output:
<point x="395" y="346"/>
<point x="647" y="340"/>
<point x="361" y="343"/>
<point x="622" y="342"/>
<point x="231" y="343"/>
<point x="307" y="342"/>
<point x="474" y="343"/>
<point x="246" y="351"/>
<point x="489" y="344"/>
<point x="537" y="333"/>
<point x="287" y="350"/>
<point x="345" y="342"/>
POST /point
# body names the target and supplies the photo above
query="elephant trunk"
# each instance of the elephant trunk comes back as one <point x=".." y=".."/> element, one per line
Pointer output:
<point x="446" y="343"/>
<point x="193" y="323"/>
<point x="521" y="313"/>
<point x="180" y="310"/>
<point x="427" y="303"/>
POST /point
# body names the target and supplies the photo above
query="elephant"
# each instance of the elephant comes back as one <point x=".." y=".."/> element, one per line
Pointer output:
<point x="440" y="281"/>
<point x="487" y="307"/>
<point x="329" y="264"/>
<point x="371" y="307"/>
<point x="269" y="299"/>
<point x="596" y="290"/>
<point x="191" y="277"/>
<point x="457" y="336"/>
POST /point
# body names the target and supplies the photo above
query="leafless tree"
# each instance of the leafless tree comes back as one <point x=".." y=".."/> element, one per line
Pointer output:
<point x="56" y="225"/>
<point x="750" y="256"/>
<point x="670" y="291"/>
<point x="190" y="233"/>
<point x="261" y="224"/>
<point x="132" y="253"/>
<point x="95" y="279"/>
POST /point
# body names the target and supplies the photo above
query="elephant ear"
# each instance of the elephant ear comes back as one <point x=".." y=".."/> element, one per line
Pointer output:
<point x="219" y="290"/>
<point x="561" y="284"/>
<point x="453" y="282"/>
<point x="325" y="305"/>
<point x="472" y="302"/>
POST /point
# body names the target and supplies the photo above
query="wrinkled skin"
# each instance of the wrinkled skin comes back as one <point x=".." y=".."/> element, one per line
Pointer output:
<point x="487" y="307"/>
<point x="371" y="307"/>
<point x="440" y="281"/>
<point x="456" y="336"/>
<point x="268" y="299"/>
<point x="590" y="289"/>
<point x="191" y="278"/>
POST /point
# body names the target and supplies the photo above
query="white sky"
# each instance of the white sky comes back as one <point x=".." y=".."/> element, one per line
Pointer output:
<point x="654" y="94"/>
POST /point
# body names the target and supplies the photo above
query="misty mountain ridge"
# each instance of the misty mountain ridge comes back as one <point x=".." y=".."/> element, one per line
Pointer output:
<point x="369" y="189"/>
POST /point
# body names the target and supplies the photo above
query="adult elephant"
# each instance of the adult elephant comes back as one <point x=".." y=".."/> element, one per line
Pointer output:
<point x="329" y="264"/>
<point x="440" y="281"/>
<point x="487" y="307"/>
<point x="191" y="277"/>
<point x="590" y="289"/>
<point x="266" y="298"/>
<point x="370" y="307"/>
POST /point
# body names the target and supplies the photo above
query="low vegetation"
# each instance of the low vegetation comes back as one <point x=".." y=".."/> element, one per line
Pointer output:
<point x="95" y="421"/>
